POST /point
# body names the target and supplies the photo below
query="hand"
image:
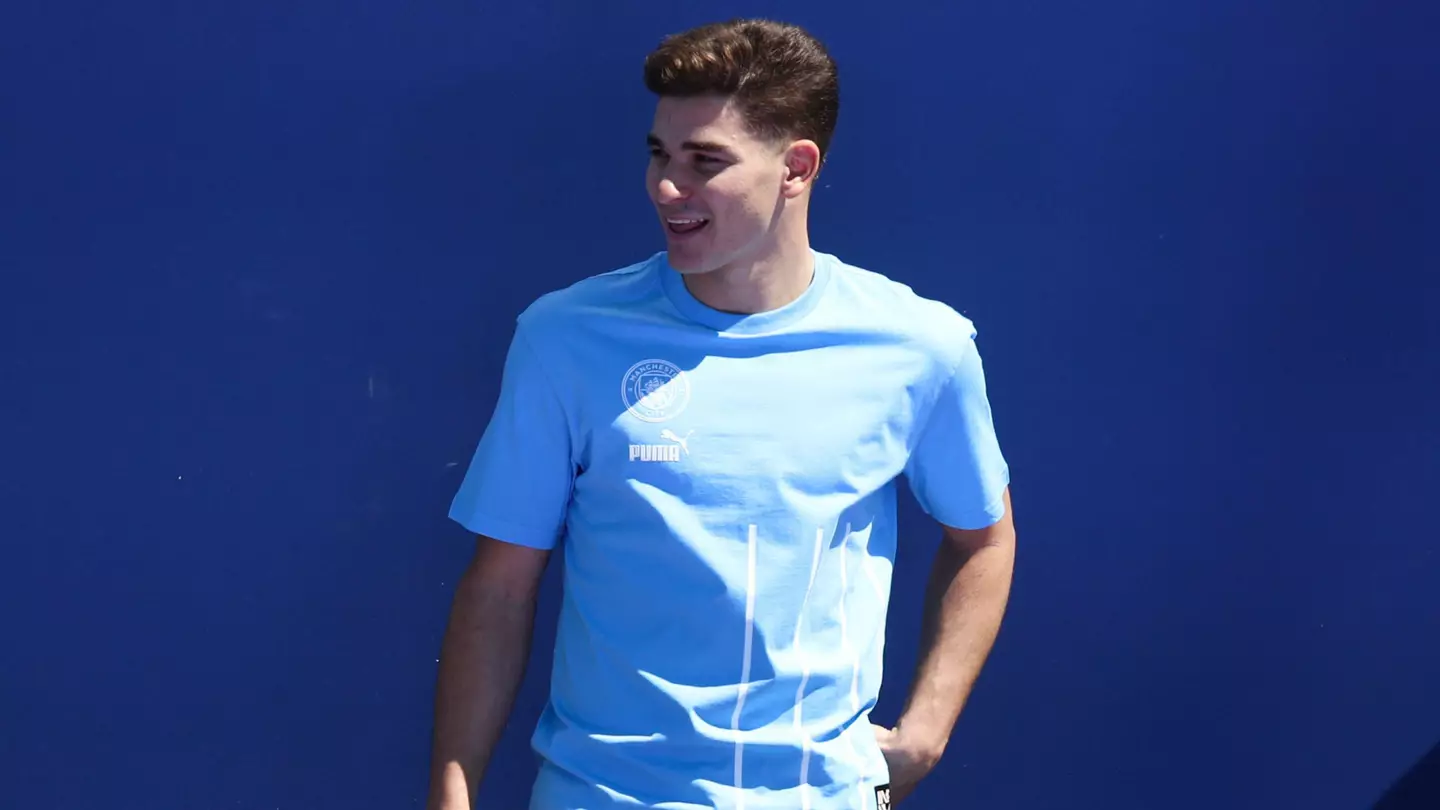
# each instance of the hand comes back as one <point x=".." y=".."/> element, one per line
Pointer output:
<point x="909" y="762"/>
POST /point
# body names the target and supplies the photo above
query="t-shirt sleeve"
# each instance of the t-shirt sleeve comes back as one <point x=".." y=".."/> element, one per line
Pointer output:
<point x="956" y="470"/>
<point x="517" y="487"/>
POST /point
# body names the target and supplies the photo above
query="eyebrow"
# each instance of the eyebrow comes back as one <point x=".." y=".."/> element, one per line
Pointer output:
<point x="696" y="146"/>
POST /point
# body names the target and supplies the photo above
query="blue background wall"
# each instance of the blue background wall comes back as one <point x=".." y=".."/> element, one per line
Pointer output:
<point x="261" y="262"/>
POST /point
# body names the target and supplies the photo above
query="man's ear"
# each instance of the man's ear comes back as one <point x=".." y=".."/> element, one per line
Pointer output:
<point x="802" y="164"/>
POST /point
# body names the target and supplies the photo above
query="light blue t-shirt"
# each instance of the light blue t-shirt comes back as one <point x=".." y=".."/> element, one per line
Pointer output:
<point x="724" y="489"/>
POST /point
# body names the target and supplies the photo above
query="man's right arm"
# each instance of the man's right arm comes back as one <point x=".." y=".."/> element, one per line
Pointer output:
<point x="515" y="496"/>
<point x="482" y="662"/>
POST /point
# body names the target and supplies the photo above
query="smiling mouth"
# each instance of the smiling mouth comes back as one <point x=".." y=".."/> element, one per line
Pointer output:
<point x="685" y="225"/>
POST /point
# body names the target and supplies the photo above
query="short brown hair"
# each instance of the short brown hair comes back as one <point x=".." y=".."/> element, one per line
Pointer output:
<point x="781" y="78"/>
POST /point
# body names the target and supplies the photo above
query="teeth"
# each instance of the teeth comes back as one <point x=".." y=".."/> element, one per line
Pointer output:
<point x="684" y="221"/>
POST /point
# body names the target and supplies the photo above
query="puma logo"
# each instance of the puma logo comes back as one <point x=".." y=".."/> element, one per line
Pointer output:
<point x="662" y="452"/>
<point x="669" y="435"/>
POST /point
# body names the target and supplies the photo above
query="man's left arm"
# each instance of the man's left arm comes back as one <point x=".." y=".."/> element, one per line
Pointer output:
<point x="961" y="479"/>
<point x="965" y="599"/>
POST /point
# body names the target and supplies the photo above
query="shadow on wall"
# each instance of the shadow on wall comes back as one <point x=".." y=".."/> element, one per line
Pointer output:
<point x="471" y="174"/>
<point x="1418" y="788"/>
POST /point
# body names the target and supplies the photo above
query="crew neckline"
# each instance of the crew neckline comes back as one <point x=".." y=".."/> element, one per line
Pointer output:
<point x="744" y="324"/>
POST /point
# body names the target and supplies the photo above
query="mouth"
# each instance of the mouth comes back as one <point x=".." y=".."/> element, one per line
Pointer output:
<point x="684" y="226"/>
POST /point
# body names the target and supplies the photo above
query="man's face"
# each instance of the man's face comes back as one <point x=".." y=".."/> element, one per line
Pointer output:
<point x="720" y="191"/>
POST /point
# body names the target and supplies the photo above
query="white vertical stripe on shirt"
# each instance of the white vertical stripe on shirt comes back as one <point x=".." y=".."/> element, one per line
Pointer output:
<point x="805" y="675"/>
<point x="845" y="622"/>
<point x="867" y="564"/>
<point x="745" y="667"/>
<point x="854" y="658"/>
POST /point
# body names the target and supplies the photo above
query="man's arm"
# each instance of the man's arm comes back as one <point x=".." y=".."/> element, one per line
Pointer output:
<point x="965" y="599"/>
<point x="482" y="662"/>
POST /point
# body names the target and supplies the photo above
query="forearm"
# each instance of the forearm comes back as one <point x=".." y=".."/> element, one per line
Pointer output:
<point x="965" y="599"/>
<point x="482" y="663"/>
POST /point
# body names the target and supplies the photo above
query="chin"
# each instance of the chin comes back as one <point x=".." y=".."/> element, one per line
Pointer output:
<point x="689" y="262"/>
<point x="690" y="268"/>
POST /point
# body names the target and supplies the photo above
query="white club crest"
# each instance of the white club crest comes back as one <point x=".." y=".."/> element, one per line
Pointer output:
<point x="655" y="390"/>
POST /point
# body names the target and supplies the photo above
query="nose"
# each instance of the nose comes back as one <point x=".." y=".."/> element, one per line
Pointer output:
<point x="666" y="191"/>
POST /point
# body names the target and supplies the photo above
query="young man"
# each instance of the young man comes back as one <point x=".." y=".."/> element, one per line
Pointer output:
<point x="715" y="433"/>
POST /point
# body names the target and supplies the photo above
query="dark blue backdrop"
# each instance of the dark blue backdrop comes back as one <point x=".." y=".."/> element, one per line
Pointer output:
<point x="261" y="262"/>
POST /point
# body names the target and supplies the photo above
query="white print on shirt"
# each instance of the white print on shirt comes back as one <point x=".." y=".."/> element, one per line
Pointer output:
<point x="655" y="390"/>
<point x="662" y="452"/>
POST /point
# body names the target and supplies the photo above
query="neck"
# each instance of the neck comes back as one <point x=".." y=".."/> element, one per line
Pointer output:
<point x="758" y="285"/>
